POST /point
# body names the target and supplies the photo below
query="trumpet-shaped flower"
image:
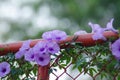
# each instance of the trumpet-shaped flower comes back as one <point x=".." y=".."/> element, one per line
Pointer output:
<point x="4" y="69"/>
<point x="24" y="48"/>
<point x="115" y="48"/>
<point x="52" y="47"/>
<point x="47" y="35"/>
<point x="59" y="35"/>
<point x="40" y="47"/>
<point x="56" y="35"/>
<point x="109" y="26"/>
<point x="97" y="31"/>
<point x="95" y="27"/>
<point x="99" y="35"/>
<point x="42" y="59"/>
<point x="30" y="55"/>
<point x="46" y="47"/>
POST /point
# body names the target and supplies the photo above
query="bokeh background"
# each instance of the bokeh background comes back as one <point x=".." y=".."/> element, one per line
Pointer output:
<point x="28" y="19"/>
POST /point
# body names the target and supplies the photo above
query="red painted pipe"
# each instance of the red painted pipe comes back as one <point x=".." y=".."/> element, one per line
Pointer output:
<point x="85" y="39"/>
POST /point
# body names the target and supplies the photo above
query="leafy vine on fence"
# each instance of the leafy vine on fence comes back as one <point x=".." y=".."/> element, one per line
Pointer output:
<point x="101" y="59"/>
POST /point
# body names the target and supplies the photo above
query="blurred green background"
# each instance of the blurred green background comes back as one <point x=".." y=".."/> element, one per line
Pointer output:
<point x="28" y="19"/>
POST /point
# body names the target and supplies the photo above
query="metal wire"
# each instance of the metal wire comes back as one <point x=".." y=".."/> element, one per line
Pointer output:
<point x="66" y="73"/>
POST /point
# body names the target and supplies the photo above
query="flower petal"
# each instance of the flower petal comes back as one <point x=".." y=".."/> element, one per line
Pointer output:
<point x="52" y="47"/>
<point x="42" y="59"/>
<point x="30" y="55"/>
<point x="115" y="48"/>
<point x="4" y="69"/>
<point x="109" y="26"/>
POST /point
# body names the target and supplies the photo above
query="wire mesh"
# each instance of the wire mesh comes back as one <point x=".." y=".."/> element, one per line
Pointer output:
<point x="67" y="72"/>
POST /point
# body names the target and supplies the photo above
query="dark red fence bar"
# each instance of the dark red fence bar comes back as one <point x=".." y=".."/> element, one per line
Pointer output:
<point x="85" y="39"/>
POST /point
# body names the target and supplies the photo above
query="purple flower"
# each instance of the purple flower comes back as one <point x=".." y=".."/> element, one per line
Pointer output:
<point x="4" y="69"/>
<point x="40" y="47"/>
<point x="20" y="54"/>
<point x="25" y="45"/>
<point x="99" y="35"/>
<point x="115" y="48"/>
<point x="52" y="47"/>
<point x="95" y="27"/>
<point x="42" y="59"/>
<point x="30" y="55"/>
<point x="47" y="35"/>
<point x="59" y="35"/>
<point x="56" y="35"/>
<point x="24" y="48"/>
<point x="109" y="26"/>
<point x="97" y="31"/>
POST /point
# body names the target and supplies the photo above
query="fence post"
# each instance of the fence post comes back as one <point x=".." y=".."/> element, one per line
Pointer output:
<point x="43" y="72"/>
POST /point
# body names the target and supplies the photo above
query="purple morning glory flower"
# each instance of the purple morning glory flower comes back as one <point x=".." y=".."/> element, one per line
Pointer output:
<point x="95" y="27"/>
<point x="20" y="54"/>
<point x="109" y="26"/>
<point x="45" y="47"/>
<point x="47" y="35"/>
<point x="56" y="35"/>
<point x="97" y="31"/>
<point x="42" y="59"/>
<point x="4" y="69"/>
<point x="59" y="35"/>
<point x="115" y="48"/>
<point x="25" y="45"/>
<point x="30" y="55"/>
<point x="52" y="47"/>
<point x="40" y="47"/>
<point x="24" y="48"/>
<point x="99" y="35"/>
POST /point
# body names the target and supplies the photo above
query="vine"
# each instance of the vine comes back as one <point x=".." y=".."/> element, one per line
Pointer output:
<point x="88" y="59"/>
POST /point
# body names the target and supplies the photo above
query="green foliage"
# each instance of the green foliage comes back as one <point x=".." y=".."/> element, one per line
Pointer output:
<point x="20" y="69"/>
<point x="97" y="61"/>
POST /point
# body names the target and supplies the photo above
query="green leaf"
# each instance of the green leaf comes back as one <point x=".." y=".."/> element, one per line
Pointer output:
<point x="103" y="75"/>
<point x="80" y="69"/>
<point x="90" y="72"/>
<point x="118" y="78"/>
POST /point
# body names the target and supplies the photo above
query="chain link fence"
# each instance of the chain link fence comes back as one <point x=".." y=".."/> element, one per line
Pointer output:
<point x="91" y="69"/>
